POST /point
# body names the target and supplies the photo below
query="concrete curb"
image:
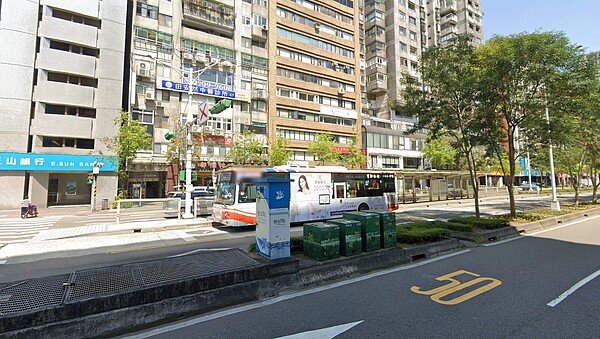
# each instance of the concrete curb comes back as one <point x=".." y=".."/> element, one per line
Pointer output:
<point x="112" y="314"/>
<point x="549" y="223"/>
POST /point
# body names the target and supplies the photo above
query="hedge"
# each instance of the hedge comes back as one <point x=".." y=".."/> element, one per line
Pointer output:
<point x="481" y="223"/>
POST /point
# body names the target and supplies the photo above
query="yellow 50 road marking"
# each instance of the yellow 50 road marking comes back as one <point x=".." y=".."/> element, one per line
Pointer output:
<point x="454" y="285"/>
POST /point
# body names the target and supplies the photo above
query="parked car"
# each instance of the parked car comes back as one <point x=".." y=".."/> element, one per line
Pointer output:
<point x="203" y="201"/>
<point x="526" y="186"/>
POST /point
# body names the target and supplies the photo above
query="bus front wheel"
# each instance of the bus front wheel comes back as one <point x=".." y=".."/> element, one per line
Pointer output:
<point x="363" y="207"/>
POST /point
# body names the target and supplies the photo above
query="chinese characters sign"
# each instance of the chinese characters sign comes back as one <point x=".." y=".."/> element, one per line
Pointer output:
<point x="205" y="88"/>
<point x="54" y="162"/>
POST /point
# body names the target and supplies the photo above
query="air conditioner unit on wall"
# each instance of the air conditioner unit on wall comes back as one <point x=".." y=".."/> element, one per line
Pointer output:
<point x="317" y="27"/>
<point x="264" y="27"/>
<point x="144" y="69"/>
<point x="201" y="58"/>
<point x="341" y="90"/>
<point x="159" y="104"/>
<point x="188" y="56"/>
<point x="261" y="94"/>
<point x="149" y="93"/>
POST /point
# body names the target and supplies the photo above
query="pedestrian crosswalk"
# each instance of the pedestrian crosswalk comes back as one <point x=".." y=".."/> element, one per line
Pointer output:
<point x="13" y="230"/>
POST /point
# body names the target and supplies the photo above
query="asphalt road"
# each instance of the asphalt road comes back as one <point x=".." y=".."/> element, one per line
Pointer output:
<point x="238" y="238"/>
<point x="510" y="289"/>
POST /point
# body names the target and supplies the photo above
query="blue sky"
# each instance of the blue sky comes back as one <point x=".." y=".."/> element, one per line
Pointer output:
<point x="576" y="18"/>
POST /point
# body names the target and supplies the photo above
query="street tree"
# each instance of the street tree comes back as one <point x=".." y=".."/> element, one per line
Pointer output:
<point x="131" y="137"/>
<point x="323" y="148"/>
<point x="439" y="150"/>
<point x="278" y="151"/>
<point x="445" y="99"/>
<point x="518" y="72"/>
<point x="247" y="150"/>
<point x="354" y="158"/>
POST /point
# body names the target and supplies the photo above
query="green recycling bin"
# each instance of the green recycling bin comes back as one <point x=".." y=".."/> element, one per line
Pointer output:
<point x="350" y="238"/>
<point x="321" y="241"/>
<point x="369" y="229"/>
<point x="387" y="228"/>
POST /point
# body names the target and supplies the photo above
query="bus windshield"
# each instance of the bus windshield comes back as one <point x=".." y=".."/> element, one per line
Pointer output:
<point x="225" y="193"/>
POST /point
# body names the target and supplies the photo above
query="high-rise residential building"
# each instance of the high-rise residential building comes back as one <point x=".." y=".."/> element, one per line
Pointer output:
<point x="395" y="35"/>
<point x="314" y="72"/>
<point x="292" y="71"/>
<point x="61" y="64"/>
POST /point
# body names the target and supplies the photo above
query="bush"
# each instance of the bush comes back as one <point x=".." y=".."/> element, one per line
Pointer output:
<point x="124" y="204"/>
<point x="457" y="226"/>
<point x="485" y="224"/>
<point x="421" y="235"/>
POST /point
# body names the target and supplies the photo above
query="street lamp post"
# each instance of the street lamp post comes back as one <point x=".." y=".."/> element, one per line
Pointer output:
<point x="555" y="205"/>
<point x="189" y="143"/>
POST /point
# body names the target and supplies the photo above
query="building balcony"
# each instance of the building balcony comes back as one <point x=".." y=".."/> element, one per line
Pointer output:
<point x="209" y="14"/>
<point x="260" y="32"/>
<point x="450" y="18"/>
<point x="448" y="7"/>
<point x="376" y="86"/>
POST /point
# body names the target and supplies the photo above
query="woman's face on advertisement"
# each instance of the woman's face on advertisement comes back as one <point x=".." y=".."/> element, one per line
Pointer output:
<point x="302" y="182"/>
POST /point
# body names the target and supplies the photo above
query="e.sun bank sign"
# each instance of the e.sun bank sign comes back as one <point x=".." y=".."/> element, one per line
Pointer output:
<point x="10" y="161"/>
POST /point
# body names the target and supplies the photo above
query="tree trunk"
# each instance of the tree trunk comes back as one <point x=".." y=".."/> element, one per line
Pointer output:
<point x="474" y="183"/>
<point x="511" y="173"/>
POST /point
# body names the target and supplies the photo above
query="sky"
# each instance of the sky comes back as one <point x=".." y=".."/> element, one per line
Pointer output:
<point x="576" y="18"/>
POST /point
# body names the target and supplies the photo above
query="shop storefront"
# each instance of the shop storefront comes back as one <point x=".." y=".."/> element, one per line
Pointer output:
<point x="56" y="179"/>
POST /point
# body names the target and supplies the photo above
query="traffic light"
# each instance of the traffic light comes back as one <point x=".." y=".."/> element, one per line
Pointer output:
<point x="90" y="178"/>
<point x="220" y="106"/>
<point x="169" y="135"/>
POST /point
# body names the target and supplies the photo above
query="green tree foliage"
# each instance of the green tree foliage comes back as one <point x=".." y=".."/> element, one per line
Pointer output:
<point x="446" y="98"/>
<point x="278" y="152"/>
<point x="323" y="148"/>
<point x="176" y="150"/>
<point x="354" y="158"/>
<point x="247" y="150"/>
<point x="131" y="137"/>
<point x="518" y="73"/>
<point x="439" y="151"/>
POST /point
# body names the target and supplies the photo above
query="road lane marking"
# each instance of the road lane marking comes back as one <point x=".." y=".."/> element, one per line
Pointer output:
<point x="454" y="286"/>
<point x="221" y="314"/>
<point x="573" y="289"/>
<point x="329" y="332"/>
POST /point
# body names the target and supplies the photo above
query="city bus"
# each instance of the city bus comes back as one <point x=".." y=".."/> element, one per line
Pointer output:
<point x="317" y="193"/>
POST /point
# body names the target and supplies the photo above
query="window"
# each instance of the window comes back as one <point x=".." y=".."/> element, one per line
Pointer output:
<point x="260" y="20"/>
<point x="412" y="20"/>
<point x="57" y="13"/>
<point x="70" y="110"/>
<point x="147" y="11"/>
<point x="246" y="20"/>
<point x="72" y="79"/>
<point x="402" y="31"/>
<point x="246" y="42"/>
<point x="67" y="142"/>
<point x="413" y="35"/>
<point x="165" y="20"/>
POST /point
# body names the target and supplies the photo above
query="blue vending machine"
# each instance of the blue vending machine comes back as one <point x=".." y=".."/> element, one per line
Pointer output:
<point x="273" y="217"/>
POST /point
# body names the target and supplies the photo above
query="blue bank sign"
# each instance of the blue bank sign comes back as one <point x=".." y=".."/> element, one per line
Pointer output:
<point x="55" y="162"/>
<point x="206" y="88"/>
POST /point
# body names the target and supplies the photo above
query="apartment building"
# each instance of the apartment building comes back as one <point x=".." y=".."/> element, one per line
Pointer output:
<point x="395" y="35"/>
<point x="292" y="71"/>
<point x="314" y="72"/>
<point x="61" y="63"/>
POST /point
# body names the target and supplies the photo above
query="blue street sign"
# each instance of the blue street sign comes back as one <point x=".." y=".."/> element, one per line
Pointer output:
<point x="10" y="161"/>
<point x="206" y="88"/>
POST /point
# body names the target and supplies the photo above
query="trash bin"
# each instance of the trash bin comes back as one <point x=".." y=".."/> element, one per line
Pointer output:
<point x="105" y="203"/>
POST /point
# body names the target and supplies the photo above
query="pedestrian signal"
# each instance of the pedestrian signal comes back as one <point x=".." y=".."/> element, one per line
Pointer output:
<point x="90" y="178"/>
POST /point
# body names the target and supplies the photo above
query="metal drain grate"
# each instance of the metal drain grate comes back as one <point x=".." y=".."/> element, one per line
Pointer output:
<point x="198" y="265"/>
<point x="32" y="294"/>
<point x="103" y="281"/>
